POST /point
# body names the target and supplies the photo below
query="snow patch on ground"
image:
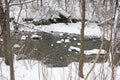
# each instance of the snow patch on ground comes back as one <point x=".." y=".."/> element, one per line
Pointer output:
<point x="86" y="52"/>
<point x="36" y="70"/>
<point x="91" y="29"/>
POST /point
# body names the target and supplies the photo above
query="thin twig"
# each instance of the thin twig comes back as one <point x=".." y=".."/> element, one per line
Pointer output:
<point x="21" y="3"/>
<point x="94" y="62"/>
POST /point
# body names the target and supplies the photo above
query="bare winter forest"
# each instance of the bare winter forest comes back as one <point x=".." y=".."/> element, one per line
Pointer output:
<point x="59" y="39"/>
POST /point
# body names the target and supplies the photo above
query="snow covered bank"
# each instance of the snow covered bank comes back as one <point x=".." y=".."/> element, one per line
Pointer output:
<point x="91" y="29"/>
<point x="34" y="70"/>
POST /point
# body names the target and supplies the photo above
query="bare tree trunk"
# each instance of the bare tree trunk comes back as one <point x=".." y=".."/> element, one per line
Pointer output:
<point x="113" y="39"/>
<point x="41" y="3"/>
<point x="5" y="44"/>
<point x="3" y="25"/>
<point x="81" y="61"/>
<point x="9" y="40"/>
<point x="66" y="4"/>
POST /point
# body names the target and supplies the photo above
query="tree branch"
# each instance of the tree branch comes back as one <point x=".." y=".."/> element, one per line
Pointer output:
<point x="14" y="4"/>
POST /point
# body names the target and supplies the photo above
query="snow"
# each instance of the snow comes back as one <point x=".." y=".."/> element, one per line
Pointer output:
<point x="36" y="70"/>
<point x="67" y="40"/>
<point x="61" y="34"/>
<point x="1" y="39"/>
<point x="63" y="12"/>
<point x="35" y="36"/>
<point x="61" y="27"/>
<point x="16" y="46"/>
<point x="87" y="52"/>
<point x="73" y="48"/>
<point x="94" y="51"/>
<point x="78" y="44"/>
<point x="23" y="37"/>
<point x="59" y="42"/>
<point x="62" y="40"/>
<point x="52" y="45"/>
<point x="74" y="39"/>
<point x="61" y="57"/>
<point x="91" y="29"/>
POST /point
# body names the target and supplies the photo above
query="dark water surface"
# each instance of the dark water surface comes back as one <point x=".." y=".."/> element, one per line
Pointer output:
<point x="53" y="48"/>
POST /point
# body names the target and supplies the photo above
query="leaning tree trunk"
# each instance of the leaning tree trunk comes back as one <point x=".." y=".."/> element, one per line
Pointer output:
<point x="81" y="61"/>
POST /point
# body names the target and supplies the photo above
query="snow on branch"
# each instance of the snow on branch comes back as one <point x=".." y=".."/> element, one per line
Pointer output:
<point x="108" y="21"/>
<point x="14" y="4"/>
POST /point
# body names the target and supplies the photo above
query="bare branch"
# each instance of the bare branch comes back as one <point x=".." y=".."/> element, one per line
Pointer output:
<point x="21" y="3"/>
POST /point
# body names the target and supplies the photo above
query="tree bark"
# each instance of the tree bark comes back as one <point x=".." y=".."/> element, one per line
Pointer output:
<point x="66" y="5"/>
<point x="5" y="35"/>
<point x="41" y="3"/>
<point x="81" y="61"/>
<point x="9" y="42"/>
<point x="113" y="37"/>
